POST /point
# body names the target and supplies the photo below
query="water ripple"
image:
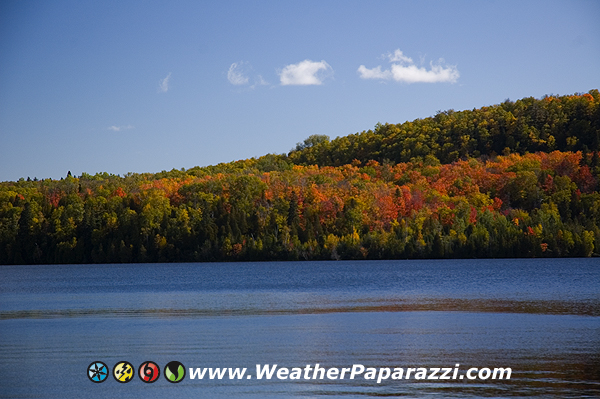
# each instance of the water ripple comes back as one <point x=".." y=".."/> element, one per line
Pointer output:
<point x="556" y="307"/>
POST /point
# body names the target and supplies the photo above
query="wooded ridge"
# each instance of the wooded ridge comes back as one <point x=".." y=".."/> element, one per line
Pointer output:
<point x="517" y="179"/>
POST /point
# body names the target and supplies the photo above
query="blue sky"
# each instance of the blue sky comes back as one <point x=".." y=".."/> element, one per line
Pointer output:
<point x="145" y="86"/>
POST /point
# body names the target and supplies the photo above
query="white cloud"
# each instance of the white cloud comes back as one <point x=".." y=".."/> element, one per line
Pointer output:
<point x="374" y="73"/>
<point x="237" y="74"/>
<point x="306" y="72"/>
<point x="119" y="128"/>
<point x="398" y="56"/>
<point x="404" y="70"/>
<point x="163" y="86"/>
<point x="413" y="74"/>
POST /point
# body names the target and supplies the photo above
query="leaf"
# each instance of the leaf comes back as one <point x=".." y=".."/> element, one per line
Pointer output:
<point x="170" y="376"/>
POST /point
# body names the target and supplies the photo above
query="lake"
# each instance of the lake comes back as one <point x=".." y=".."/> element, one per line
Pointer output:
<point x="539" y="317"/>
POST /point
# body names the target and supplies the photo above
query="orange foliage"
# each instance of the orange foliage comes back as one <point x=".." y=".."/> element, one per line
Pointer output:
<point x="119" y="192"/>
<point x="53" y="198"/>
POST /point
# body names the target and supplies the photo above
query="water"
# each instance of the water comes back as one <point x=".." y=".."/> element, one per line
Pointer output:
<point x="539" y="317"/>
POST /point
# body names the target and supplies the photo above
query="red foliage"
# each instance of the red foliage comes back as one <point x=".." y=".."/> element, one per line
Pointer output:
<point x="473" y="216"/>
<point x="119" y="192"/>
<point x="549" y="184"/>
<point x="584" y="179"/>
<point x="54" y="198"/>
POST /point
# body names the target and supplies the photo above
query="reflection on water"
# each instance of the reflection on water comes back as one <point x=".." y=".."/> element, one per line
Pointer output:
<point x="539" y="317"/>
<point x="326" y="305"/>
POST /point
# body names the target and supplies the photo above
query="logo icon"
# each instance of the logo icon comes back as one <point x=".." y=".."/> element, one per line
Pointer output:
<point x="123" y="372"/>
<point x="149" y="372"/>
<point x="174" y="372"/>
<point x="97" y="372"/>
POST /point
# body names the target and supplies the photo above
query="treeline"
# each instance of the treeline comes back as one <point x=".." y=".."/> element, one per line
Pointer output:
<point x="543" y="204"/>
<point x="566" y="123"/>
<point x="521" y="204"/>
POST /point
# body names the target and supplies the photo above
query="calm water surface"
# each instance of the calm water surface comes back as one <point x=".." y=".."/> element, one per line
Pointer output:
<point x="539" y="317"/>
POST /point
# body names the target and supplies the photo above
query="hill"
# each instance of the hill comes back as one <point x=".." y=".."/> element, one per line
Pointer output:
<point x="430" y="188"/>
<point x="566" y="123"/>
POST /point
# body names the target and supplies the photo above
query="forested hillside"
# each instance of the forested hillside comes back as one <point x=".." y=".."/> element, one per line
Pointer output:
<point x="519" y="179"/>
<point x="567" y="123"/>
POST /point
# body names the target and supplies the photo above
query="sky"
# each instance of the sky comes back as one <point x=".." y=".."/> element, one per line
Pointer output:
<point x="145" y="86"/>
